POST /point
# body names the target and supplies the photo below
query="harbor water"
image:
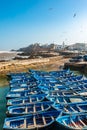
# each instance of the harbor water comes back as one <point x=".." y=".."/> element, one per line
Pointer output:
<point x="3" y="92"/>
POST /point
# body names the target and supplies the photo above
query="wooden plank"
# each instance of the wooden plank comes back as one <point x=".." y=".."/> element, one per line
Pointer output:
<point x="44" y="121"/>
<point x="23" y="102"/>
<point x="63" y="93"/>
<point x="30" y="100"/>
<point x="57" y="100"/>
<point x="64" y="100"/>
<point x="73" y="109"/>
<point x="66" y="109"/>
<point x="77" y="126"/>
<point x="37" y="99"/>
<point x="26" y="109"/>
<point x="58" y="94"/>
<point x="85" y="87"/>
<point x="34" y="120"/>
<point x="74" y="123"/>
<point x="34" y="108"/>
<point x="52" y="118"/>
<point x="82" y="122"/>
<point x="64" y="122"/>
<point x="79" y="108"/>
<point x="42" y="107"/>
<point x="25" y="124"/>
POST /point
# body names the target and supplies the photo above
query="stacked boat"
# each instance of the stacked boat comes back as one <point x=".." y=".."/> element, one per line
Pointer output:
<point x="42" y="100"/>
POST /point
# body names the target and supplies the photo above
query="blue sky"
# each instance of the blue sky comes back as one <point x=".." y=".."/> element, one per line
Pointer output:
<point x="23" y="22"/>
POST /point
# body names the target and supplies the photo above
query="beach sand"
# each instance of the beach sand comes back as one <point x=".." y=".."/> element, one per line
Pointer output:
<point x="45" y="64"/>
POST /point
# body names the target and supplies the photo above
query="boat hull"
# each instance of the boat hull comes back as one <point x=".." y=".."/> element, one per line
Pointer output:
<point x="59" y="126"/>
<point x="49" y="127"/>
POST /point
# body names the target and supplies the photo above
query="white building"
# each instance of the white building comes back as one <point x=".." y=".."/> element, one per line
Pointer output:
<point x="78" y="46"/>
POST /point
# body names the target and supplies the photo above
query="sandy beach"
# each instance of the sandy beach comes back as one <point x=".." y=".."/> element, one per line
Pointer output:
<point x="22" y="65"/>
<point x="45" y="64"/>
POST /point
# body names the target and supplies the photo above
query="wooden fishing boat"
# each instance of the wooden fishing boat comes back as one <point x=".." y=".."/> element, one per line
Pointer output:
<point x="65" y="99"/>
<point x="18" y="89"/>
<point x="23" y="84"/>
<point x="28" y="108"/>
<point x="40" y="121"/>
<point x="78" y="87"/>
<point x="72" y="78"/>
<point x="19" y="80"/>
<point x="64" y="77"/>
<point x="60" y="87"/>
<point x="62" y="73"/>
<point x="19" y="94"/>
<point x="72" y="122"/>
<point x="82" y="92"/>
<point x="54" y="87"/>
<point x="25" y="100"/>
<point x="13" y="85"/>
<point x="73" y="108"/>
<point x="56" y="93"/>
<point x="76" y="78"/>
<point x="23" y="88"/>
<point x="84" y="81"/>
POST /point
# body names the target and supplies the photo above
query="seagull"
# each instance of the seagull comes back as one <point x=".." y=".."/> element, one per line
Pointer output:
<point x="74" y="15"/>
<point x="50" y="9"/>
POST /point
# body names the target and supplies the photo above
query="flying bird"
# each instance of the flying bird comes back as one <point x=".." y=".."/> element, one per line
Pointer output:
<point x="74" y="15"/>
<point x="50" y="9"/>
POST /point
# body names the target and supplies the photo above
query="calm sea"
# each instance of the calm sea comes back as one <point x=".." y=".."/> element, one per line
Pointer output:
<point x="3" y="92"/>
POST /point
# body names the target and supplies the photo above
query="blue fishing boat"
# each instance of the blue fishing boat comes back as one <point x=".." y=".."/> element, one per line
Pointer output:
<point x="62" y="73"/>
<point x="25" y="84"/>
<point x="61" y="87"/>
<point x="38" y="100"/>
<point x="73" y="108"/>
<point x="50" y="86"/>
<point x="25" y="100"/>
<point x="40" y="121"/>
<point x="70" y="83"/>
<point x="79" y="88"/>
<point x="20" y="80"/>
<point x="56" y="93"/>
<point x="72" y="78"/>
<point x="29" y="108"/>
<point x="65" y="99"/>
<point x="19" y="94"/>
<point x="17" y="85"/>
<point x="82" y="92"/>
<point x="18" y="89"/>
<point x="72" y="122"/>
<point x="23" y="88"/>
